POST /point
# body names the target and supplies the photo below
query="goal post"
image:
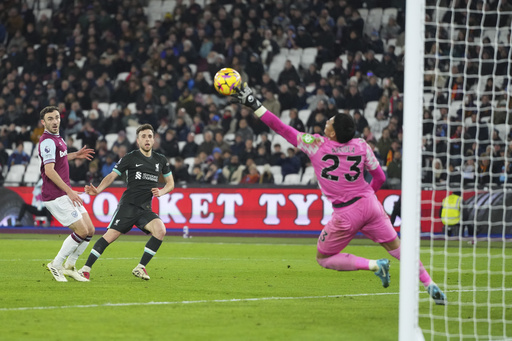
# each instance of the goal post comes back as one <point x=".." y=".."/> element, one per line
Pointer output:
<point x="411" y="178"/>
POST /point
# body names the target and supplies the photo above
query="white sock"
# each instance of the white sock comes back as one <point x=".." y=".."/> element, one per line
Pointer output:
<point x="71" y="261"/>
<point x="68" y="247"/>
<point x="372" y="265"/>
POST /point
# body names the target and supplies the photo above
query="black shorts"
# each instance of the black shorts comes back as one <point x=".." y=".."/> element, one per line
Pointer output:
<point x="126" y="216"/>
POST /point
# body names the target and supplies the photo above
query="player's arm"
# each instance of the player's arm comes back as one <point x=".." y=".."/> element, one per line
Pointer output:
<point x="84" y="153"/>
<point x="246" y="97"/>
<point x="51" y="173"/>
<point x="169" y="186"/>
<point x="107" y="181"/>
<point x="373" y="166"/>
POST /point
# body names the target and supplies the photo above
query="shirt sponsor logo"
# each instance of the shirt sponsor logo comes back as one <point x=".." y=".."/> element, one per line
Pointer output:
<point x="138" y="175"/>
<point x="63" y="153"/>
<point x="308" y="139"/>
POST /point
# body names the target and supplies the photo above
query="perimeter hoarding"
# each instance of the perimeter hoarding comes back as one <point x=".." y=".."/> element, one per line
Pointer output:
<point x="235" y="209"/>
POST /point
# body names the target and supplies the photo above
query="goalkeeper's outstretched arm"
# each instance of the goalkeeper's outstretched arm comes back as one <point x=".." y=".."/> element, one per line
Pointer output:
<point x="246" y="97"/>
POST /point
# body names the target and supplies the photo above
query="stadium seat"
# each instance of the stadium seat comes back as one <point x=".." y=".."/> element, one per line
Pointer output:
<point x="104" y="107"/>
<point x="32" y="174"/>
<point x="326" y="67"/>
<point x="387" y="13"/>
<point x="278" y="179"/>
<point x="308" y="57"/>
<point x="132" y="107"/>
<point x="276" y="170"/>
<point x="131" y="134"/>
<point x="207" y="77"/>
<point x="229" y="137"/>
<point x="120" y="77"/>
<point x="28" y="147"/>
<point x="291" y="179"/>
<point x="307" y="179"/>
<point x="503" y="35"/>
<point x="14" y="175"/>
<point x="189" y="161"/>
<point x="111" y="138"/>
<point x="363" y="12"/>
<point x="374" y="21"/>
<point x="199" y="138"/>
<point x="304" y="115"/>
<point x="278" y="139"/>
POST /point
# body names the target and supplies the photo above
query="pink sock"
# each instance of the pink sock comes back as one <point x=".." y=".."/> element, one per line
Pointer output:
<point x="424" y="276"/>
<point x="344" y="262"/>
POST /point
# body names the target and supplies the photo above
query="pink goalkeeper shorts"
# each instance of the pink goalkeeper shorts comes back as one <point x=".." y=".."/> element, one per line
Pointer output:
<point x="365" y="215"/>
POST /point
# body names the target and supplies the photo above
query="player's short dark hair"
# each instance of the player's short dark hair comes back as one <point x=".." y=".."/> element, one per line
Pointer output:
<point x="145" y="126"/>
<point x="344" y="127"/>
<point x="47" y="110"/>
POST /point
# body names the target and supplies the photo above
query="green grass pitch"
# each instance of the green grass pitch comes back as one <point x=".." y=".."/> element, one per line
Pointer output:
<point x="204" y="288"/>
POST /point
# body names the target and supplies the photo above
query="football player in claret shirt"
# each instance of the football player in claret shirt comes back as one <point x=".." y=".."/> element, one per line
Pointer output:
<point x="60" y="199"/>
<point x="143" y="167"/>
<point x="339" y="161"/>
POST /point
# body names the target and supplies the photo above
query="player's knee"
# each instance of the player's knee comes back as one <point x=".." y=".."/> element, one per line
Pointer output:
<point x="322" y="262"/>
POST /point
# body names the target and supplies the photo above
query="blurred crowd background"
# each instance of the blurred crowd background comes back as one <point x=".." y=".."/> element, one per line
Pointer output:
<point x="112" y="65"/>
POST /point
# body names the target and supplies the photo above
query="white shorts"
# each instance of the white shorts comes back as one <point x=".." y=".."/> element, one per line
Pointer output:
<point x="64" y="211"/>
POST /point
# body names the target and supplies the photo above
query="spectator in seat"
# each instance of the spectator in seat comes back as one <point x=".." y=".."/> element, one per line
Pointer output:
<point x="353" y="99"/>
<point x="267" y="177"/>
<point x="18" y="156"/>
<point x="395" y="171"/>
<point x="207" y="145"/>
<point x="253" y="177"/>
<point x="190" y="149"/>
<point x="289" y="73"/>
<point x="169" y="144"/>
<point x="78" y="171"/>
<point x="290" y="163"/>
<point x="272" y="102"/>
<point x="221" y="143"/>
<point x="372" y="92"/>
<point x="121" y="141"/>
<point x="295" y="121"/>
<point x="180" y="170"/>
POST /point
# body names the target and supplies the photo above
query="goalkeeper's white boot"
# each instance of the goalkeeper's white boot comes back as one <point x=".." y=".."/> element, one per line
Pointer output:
<point x="70" y="271"/>
<point x="56" y="271"/>
<point x="437" y="295"/>
<point x="141" y="272"/>
<point x="383" y="272"/>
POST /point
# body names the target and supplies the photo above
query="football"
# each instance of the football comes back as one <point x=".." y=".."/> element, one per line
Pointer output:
<point x="226" y="80"/>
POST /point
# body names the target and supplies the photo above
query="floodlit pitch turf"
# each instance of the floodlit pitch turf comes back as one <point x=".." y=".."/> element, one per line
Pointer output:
<point x="204" y="288"/>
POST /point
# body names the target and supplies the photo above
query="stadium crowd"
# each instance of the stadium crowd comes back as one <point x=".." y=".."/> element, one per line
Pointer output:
<point x="112" y="65"/>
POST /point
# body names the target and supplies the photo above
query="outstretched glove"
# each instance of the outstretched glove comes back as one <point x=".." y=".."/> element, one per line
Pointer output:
<point x="246" y="97"/>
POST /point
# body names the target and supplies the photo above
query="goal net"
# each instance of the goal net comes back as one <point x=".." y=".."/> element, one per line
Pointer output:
<point x="466" y="151"/>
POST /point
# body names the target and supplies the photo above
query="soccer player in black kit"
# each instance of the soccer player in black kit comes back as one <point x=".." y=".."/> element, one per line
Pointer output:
<point x="143" y="167"/>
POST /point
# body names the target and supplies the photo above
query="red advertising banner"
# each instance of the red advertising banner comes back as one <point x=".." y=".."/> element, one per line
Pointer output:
<point x="233" y="209"/>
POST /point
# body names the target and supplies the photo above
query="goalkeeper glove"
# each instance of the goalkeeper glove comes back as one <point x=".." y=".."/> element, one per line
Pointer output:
<point x="246" y="97"/>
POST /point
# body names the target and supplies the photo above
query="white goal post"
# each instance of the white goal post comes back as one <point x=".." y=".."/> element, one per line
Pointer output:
<point x="457" y="67"/>
<point x="410" y="235"/>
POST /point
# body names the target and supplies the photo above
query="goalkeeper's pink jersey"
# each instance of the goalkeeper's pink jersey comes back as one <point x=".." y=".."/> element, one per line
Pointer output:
<point x="339" y="167"/>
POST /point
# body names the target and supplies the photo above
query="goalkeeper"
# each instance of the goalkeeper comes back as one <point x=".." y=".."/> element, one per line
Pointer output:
<point x="339" y="161"/>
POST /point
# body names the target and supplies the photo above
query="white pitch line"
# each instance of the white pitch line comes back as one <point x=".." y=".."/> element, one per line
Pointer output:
<point x="255" y="299"/>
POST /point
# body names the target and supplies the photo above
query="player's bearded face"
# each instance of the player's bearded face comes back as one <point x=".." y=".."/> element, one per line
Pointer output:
<point x="146" y="139"/>
<point x="51" y="122"/>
